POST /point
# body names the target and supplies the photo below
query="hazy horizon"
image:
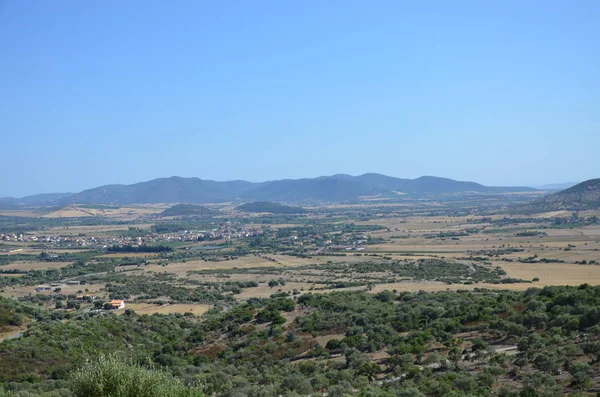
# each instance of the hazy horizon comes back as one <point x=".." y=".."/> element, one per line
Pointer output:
<point x="107" y="92"/>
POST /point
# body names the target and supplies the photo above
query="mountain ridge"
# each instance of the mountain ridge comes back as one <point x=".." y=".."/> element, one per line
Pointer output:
<point x="334" y="188"/>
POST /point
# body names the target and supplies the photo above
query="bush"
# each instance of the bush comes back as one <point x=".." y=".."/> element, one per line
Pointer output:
<point x="114" y="377"/>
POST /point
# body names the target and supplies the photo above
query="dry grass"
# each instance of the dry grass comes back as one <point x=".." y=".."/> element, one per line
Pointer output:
<point x="129" y="255"/>
<point x="554" y="273"/>
<point x="432" y="286"/>
<point x="181" y="268"/>
<point x="68" y="212"/>
<point x="129" y="212"/>
<point x="91" y="230"/>
<point x="147" y="308"/>
<point x="22" y="265"/>
<point x="17" y="292"/>
<point x="11" y="332"/>
<point x="20" y="213"/>
<point x="264" y="291"/>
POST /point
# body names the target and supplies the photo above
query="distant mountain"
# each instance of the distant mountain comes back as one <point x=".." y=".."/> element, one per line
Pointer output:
<point x="266" y="206"/>
<point x="187" y="210"/>
<point x="583" y="196"/>
<point x="31" y="201"/>
<point x="324" y="189"/>
<point x="163" y="190"/>
<point x="556" y="186"/>
<point x="431" y="185"/>
<point x="332" y="189"/>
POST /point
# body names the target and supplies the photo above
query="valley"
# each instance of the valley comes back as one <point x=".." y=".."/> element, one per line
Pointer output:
<point x="264" y="280"/>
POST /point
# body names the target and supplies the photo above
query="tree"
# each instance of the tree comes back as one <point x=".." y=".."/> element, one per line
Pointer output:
<point x="386" y="296"/>
<point x="495" y="372"/>
<point x="370" y="370"/>
<point x="73" y="304"/>
<point x="479" y="344"/>
<point x="546" y="361"/>
<point x="580" y="373"/>
<point x="16" y="320"/>
<point x="455" y="355"/>
<point x="333" y="344"/>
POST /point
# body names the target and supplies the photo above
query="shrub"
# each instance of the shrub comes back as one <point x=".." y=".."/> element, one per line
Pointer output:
<point x="114" y="377"/>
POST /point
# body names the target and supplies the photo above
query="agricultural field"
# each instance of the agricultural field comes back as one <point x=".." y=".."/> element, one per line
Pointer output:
<point x="26" y="265"/>
<point x="230" y="280"/>
<point x="142" y="308"/>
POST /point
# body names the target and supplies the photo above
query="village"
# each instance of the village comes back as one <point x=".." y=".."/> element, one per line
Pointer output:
<point x="336" y="241"/>
<point x="105" y="241"/>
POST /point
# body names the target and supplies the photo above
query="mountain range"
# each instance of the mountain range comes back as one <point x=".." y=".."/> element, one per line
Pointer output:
<point x="335" y="188"/>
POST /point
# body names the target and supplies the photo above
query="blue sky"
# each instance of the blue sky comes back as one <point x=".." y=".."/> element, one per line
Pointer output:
<point x="99" y="92"/>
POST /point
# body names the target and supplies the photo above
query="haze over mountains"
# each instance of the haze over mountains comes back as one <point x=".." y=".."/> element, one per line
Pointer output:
<point x="556" y="186"/>
<point x="335" y="188"/>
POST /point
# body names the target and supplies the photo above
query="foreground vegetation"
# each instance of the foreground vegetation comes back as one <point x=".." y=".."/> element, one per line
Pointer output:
<point x="348" y="343"/>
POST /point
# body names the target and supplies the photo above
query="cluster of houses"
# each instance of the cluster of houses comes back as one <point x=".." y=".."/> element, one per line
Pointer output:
<point x="48" y="287"/>
<point x="14" y="237"/>
<point x="347" y="242"/>
<point x="225" y="231"/>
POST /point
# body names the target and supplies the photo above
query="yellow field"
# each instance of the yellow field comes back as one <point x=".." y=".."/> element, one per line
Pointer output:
<point x="181" y="268"/>
<point x="34" y="265"/>
<point x="264" y="291"/>
<point x="146" y="308"/>
<point x="68" y="212"/>
<point x="16" y="292"/>
<point x="554" y="273"/>
<point x="129" y="212"/>
<point x="91" y="230"/>
<point x="20" y="213"/>
<point x="129" y="255"/>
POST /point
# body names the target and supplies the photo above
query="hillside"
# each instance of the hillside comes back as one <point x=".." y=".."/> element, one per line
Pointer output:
<point x="583" y="196"/>
<point x="327" y="189"/>
<point x="274" y="208"/>
<point x="187" y="210"/>
<point x="163" y="190"/>
<point x="334" y="189"/>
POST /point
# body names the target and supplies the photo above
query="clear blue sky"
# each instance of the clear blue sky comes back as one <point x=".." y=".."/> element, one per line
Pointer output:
<point x="107" y="91"/>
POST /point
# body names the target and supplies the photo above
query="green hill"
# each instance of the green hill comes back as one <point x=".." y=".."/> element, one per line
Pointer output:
<point x="581" y="197"/>
<point x="187" y="210"/>
<point x="274" y="208"/>
<point x="324" y="189"/>
<point x="163" y="190"/>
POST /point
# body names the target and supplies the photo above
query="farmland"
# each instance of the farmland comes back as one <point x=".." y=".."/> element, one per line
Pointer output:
<point x="222" y="280"/>
<point x="168" y="309"/>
